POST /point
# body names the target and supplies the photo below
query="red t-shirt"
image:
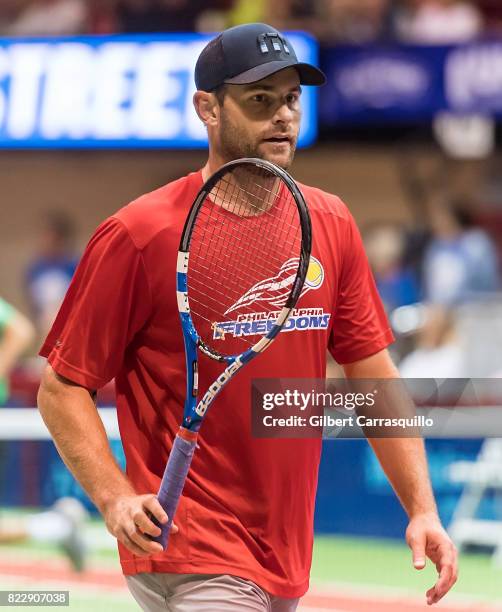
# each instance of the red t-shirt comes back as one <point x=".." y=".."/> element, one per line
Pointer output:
<point x="248" y="505"/>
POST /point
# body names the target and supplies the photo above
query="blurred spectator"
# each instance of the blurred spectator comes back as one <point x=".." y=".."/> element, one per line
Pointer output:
<point x="351" y="21"/>
<point x="346" y="21"/>
<point x="438" y="21"/>
<point x="439" y="353"/>
<point x="397" y="285"/>
<point x="164" y="15"/>
<point x="294" y="15"/>
<point x="461" y="260"/>
<point x="492" y="12"/>
<point x="50" y="18"/>
<point x="51" y="270"/>
<point x="62" y="525"/>
<point x="16" y="334"/>
<point x="247" y="11"/>
<point x="102" y="16"/>
<point x="9" y="9"/>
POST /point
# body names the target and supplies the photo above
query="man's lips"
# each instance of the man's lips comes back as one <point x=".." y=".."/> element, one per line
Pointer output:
<point x="278" y="139"/>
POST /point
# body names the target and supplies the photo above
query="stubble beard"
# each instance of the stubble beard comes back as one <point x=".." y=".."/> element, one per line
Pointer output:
<point x="235" y="144"/>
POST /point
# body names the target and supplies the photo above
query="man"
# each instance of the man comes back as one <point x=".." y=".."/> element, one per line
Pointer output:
<point x="60" y="524"/>
<point x="243" y="535"/>
<point x="16" y="334"/>
<point x="51" y="269"/>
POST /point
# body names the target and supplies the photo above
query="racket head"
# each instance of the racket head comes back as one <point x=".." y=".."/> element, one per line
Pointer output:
<point x="243" y="258"/>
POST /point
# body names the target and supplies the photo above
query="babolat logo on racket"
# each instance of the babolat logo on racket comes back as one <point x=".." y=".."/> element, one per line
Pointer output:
<point x="215" y="388"/>
<point x="275" y="291"/>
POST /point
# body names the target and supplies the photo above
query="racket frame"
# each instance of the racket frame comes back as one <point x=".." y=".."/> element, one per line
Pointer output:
<point x="185" y="442"/>
<point x="194" y="411"/>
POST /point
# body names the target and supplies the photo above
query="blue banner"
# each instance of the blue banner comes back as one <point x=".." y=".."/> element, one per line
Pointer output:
<point x="354" y="496"/>
<point x="375" y="84"/>
<point x="115" y="92"/>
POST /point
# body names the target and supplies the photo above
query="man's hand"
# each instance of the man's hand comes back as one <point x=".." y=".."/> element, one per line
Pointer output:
<point x="427" y="538"/>
<point x="128" y="519"/>
<point x="70" y="414"/>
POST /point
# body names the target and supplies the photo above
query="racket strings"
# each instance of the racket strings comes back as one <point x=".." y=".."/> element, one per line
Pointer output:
<point x="282" y="231"/>
<point x="247" y="246"/>
<point x="243" y="195"/>
<point x="242" y="253"/>
<point x="289" y="239"/>
<point x="237" y="259"/>
<point x="222" y="262"/>
<point x="251" y="242"/>
<point x="218" y="300"/>
<point x="246" y="251"/>
<point x="228" y="200"/>
<point x="244" y="248"/>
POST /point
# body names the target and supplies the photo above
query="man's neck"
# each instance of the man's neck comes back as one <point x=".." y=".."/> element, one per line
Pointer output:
<point x="214" y="162"/>
<point x="259" y="194"/>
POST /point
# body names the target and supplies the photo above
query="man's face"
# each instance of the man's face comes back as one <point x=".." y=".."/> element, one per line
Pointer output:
<point x="261" y="119"/>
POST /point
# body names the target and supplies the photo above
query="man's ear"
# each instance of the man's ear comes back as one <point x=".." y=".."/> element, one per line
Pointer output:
<point x="207" y="107"/>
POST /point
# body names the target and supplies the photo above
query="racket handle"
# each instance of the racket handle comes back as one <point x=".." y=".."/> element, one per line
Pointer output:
<point x="173" y="480"/>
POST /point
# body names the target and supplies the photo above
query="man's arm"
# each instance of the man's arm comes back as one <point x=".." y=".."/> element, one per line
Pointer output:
<point x="74" y="423"/>
<point x="404" y="462"/>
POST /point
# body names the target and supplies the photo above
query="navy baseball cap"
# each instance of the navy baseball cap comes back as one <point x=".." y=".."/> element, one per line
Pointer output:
<point x="248" y="53"/>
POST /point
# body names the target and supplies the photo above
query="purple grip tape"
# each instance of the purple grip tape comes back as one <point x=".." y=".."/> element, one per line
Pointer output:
<point x="172" y="483"/>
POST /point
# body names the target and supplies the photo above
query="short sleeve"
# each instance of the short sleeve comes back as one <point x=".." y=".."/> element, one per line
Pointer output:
<point x="360" y="326"/>
<point x="107" y="303"/>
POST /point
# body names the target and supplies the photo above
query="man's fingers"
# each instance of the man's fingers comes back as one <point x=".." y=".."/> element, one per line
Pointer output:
<point x="417" y="545"/>
<point x="133" y="522"/>
<point x="131" y="545"/>
<point x="431" y="596"/>
<point x="153" y="506"/>
<point x="151" y="503"/>
<point x="444" y="581"/>
<point x="447" y="577"/>
<point x="134" y="548"/>
<point x="147" y="546"/>
<point x="434" y="595"/>
<point x="427" y="538"/>
<point x="143" y="522"/>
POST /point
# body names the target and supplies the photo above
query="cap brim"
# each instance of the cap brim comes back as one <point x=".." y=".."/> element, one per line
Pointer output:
<point x="309" y="75"/>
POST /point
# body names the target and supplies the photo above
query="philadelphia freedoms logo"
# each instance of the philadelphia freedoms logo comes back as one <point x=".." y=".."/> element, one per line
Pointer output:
<point x="274" y="291"/>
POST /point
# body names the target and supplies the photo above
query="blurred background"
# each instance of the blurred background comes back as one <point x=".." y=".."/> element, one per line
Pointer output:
<point x="95" y="109"/>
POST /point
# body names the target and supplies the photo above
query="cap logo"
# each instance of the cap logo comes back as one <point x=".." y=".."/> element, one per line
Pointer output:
<point x="272" y="38"/>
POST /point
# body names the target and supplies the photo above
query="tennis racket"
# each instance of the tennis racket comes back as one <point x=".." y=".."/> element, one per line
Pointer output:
<point x="242" y="262"/>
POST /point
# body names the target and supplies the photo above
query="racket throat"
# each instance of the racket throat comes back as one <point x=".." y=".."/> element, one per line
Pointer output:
<point x="217" y="386"/>
<point x="195" y="375"/>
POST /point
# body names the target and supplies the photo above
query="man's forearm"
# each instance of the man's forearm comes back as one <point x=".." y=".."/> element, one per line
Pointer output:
<point x="79" y="435"/>
<point x="402" y="459"/>
<point x="404" y="462"/>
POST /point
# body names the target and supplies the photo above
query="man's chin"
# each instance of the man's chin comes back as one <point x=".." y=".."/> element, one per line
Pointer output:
<point x="283" y="160"/>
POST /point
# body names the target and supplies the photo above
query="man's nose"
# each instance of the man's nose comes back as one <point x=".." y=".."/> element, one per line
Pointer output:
<point x="283" y="114"/>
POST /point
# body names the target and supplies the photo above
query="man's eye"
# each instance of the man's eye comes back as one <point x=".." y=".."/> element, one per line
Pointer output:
<point x="292" y="98"/>
<point x="259" y="98"/>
